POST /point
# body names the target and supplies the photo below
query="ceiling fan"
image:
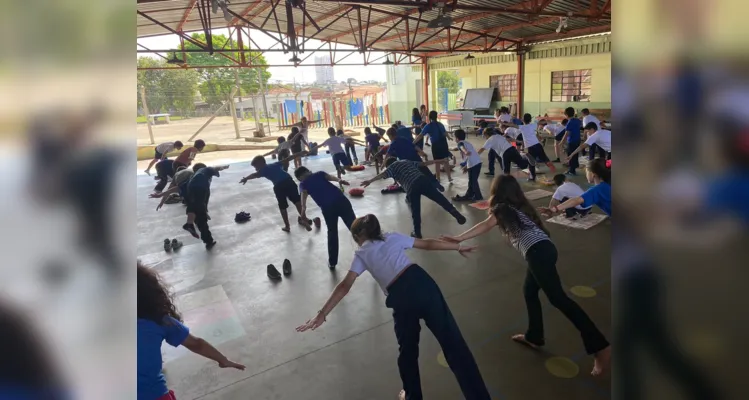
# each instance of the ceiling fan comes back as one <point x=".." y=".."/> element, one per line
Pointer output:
<point x="442" y="20"/>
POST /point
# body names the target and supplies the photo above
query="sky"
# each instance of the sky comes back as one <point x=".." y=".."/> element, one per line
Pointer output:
<point x="287" y="74"/>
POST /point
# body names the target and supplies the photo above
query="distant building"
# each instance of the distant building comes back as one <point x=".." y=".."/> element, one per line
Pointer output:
<point x="323" y="73"/>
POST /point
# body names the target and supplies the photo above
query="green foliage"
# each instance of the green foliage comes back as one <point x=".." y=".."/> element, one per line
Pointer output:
<point x="167" y="89"/>
<point x="448" y="80"/>
<point x="216" y="83"/>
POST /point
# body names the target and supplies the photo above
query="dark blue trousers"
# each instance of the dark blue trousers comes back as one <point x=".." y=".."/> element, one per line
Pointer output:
<point x="415" y="296"/>
<point x="343" y="210"/>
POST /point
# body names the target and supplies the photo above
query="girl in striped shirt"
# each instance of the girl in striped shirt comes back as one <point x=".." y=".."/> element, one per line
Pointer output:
<point x="518" y="220"/>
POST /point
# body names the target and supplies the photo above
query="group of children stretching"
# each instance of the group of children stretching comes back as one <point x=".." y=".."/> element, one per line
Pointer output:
<point x="410" y="291"/>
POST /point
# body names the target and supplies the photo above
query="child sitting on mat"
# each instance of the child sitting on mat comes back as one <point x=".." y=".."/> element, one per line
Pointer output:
<point x="413" y="295"/>
<point x="565" y="191"/>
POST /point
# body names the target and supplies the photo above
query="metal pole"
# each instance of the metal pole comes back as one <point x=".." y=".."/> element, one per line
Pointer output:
<point x="262" y="92"/>
<point x="233" y="111"/>
<point x="145" y="111"/>
<point x="521" y="71"/>
<point x="215" y="113"/>
<point x="236" y="82"/>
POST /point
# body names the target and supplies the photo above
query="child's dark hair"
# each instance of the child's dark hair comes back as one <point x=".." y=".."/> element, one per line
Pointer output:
<point x="367" y="228"/>
<point x="506" y="199"/>
<point x="569" y="112"/>
<point x="281" y="139"/>
<point x="460" y="134"/>
<point x="564" y="121"/>
<point x="154" y="300"/>
<point x="527" y="118"/>
<point x="197" y="167"/>
<point x="415" y="113"/>
<point x="367" y="131"/>
<point x="300" y="171"/>
<point x="331" y="131"/>
<point x="389" y="161"/>
<point x="598" y="167"/>
<point x="585" y="111"/>
<point x="180" y="168"/>
<point x="504" y="110"/>
<point x="199" y="144"/>
<point x="432" y="115"/>
<point x="294" y="130"/>
<point x="591" y="126"/>
<point x="390" y="132"/>
<point x="258" y="161"/>
<point x="559" y="179"/>
<point x="339" y="132"/>
<point x="483" y="124"/>
<point x="178" y="144"/>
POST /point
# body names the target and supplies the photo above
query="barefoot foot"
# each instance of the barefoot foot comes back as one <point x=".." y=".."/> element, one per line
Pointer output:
<point x="520" y="338"/>
<point x="402" y="395"/>
<point x="601" y="362"/>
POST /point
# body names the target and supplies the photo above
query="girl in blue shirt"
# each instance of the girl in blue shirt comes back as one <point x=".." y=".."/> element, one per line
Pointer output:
<point x="159" y="321"/>
<point x="599" y="194"/>
<point x="415" y="117"/>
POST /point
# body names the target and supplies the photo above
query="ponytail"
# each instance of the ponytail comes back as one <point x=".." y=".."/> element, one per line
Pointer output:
<point x="598" y="167"/>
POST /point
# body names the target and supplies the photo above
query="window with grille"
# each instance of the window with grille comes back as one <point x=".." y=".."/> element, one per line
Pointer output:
<point x="507" y="86"/>
<point x="573" y="85"/>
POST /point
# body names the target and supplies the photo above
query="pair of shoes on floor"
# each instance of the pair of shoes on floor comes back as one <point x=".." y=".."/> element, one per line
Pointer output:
<point x="273" y="272"/>
<point x="242" y="217"/>
<point x="173" y="244"/>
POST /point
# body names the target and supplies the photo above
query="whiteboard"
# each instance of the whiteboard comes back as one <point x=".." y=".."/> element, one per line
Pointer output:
<point x="478" y="98"/>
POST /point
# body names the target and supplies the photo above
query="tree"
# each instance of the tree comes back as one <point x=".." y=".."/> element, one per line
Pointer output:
<point x="167" y="89"/>
<point x="216" y="83"/>
<point x="447" y="80"/>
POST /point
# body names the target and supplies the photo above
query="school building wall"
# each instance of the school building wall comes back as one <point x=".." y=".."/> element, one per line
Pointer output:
<point x="592" y="53"/>
<point x="402" y="82"/>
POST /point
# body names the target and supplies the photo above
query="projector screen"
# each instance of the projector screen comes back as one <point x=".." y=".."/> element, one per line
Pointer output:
<point x="478" y="99"/>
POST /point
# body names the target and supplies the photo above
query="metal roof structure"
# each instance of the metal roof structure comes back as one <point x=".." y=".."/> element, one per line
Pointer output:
<point x="396" y="27"/>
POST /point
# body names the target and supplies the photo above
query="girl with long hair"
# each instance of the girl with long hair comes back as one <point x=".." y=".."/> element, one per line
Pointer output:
<point x="159" y="321"/>
<point x="413" y="295"/>
<point x="518" y="220"/>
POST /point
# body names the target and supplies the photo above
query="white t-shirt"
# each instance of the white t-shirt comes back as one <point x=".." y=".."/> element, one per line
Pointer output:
<point x="498" y="143"/>
<point x="569" y="190"/>
<point x="529" y="134"/>
<point x="474" y="158"/>
<point x="505" y="118"/>
<point x="554" y="129"/>
<point x="384" y="259"/>
<point x="591" y="118"/>
<point x="602" y="138"/>
<point x="512" y="132"/>
<point x="335" y="144"/>
<point x="305" y="132"/>
<point x="165" y="147"/>
<point x="284" y="146"/>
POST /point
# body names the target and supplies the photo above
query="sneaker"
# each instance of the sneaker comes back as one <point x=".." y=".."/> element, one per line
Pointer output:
<point x="570" y="173"/>
<point x="441" y="188"/>
<point x="167" y="245"/>
<point x="286" y="267"/>
<point x="489" y="173"/>
<point x="209" y="246"/>
<point x="460" y="218"/>
<point x="191" y="228"/>
<point x="331" y="266"/>
<point x="317" y="222"/>
<point x="273" y="272"/>
<point x="460" y="198"/>
<point x="176" y="244"/>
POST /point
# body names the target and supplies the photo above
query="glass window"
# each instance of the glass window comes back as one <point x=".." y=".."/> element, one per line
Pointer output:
<point x="573" y="85"/>
<point x="507" y="86"/>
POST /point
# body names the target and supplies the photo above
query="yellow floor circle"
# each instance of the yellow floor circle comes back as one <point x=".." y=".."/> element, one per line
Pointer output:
<point x="562" y="367"/>
<point x="441" y="360"/>
<point x="583" y="291"/>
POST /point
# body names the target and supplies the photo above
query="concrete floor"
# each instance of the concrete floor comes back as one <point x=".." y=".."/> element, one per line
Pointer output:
<point x="226" y="298"/>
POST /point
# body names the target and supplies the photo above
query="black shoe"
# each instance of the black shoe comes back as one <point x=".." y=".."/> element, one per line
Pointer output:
<point x="331" y="266"/>
<point x="557" y="160"/>
<point x="569" y="173"/>
<point x="273" y="272"/>
<point x="167" y="245"/>
<point x="191" y="228"/>
<point x="176" y="244"/>
<point x="459" y="217"/>
<point x="209" y="246"/>
<point x="286" y="267"/>
<point x="489" y="173"/>
<point x="414" y="235"/>
<point x="460" y="198"/>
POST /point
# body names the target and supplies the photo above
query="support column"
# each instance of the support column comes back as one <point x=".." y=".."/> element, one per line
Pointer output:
<point x="425" y="81"/>
<point x="521" y="80"/>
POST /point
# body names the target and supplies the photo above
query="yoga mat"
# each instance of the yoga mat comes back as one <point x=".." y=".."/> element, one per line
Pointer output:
<point x="584" y="223"/>
<point x="537" y="194"/>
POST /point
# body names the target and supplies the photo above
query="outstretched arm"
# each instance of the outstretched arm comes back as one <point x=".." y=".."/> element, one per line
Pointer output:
<point x="332" y="178"/>
<point x="418" y="138"/>
<point x="434" y="244"/>
<point x="573" y="202"/>
<point x="200" y="346"/>
<point x="477" y="230"/>
<point x="368" y="182"/>
<point x="340" y="291"/>
<point x="428" y="163"/>
<point x="579" y="149"/>
<point x="249" y="178"/>
<point x="291" y="157"/>
<point x="304" y="204"/>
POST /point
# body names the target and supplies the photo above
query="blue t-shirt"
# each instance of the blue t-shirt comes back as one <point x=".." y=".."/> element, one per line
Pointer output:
<point x="274" y="172"/>
<point x="203" y="177"/>
<point x="403" y="149"/>
<point x="729" y="195"/>
<point x="517" y="121"/>
<point x="436" y="131"/>
<point x="405" y="133"/>
<point x="416" y="121"/>
<point x="598" y="195"/>
<point x="324" y="193"/>
<point x="372" y="140"/>
<point x="573" y="128"/>
<point x="151" y="382"/>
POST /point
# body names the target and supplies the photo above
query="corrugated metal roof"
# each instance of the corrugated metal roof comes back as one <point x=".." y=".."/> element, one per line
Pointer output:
<point x="511" y="26"/>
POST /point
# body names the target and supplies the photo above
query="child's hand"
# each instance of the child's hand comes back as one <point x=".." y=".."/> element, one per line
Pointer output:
<point x="463" y="250"/>
<point x="545" y="211"/>
<point x="451" y="239"/>
<point x="312" y="324"/>
<point x="155" y="195"/>
<point x="243" y="180"/>
<point x="344" y="183"/>
<point x="465" y="170"/>
<point x="365" y="184"/>
<point x="231" y="364"/>
<point x="159" y="206"/>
